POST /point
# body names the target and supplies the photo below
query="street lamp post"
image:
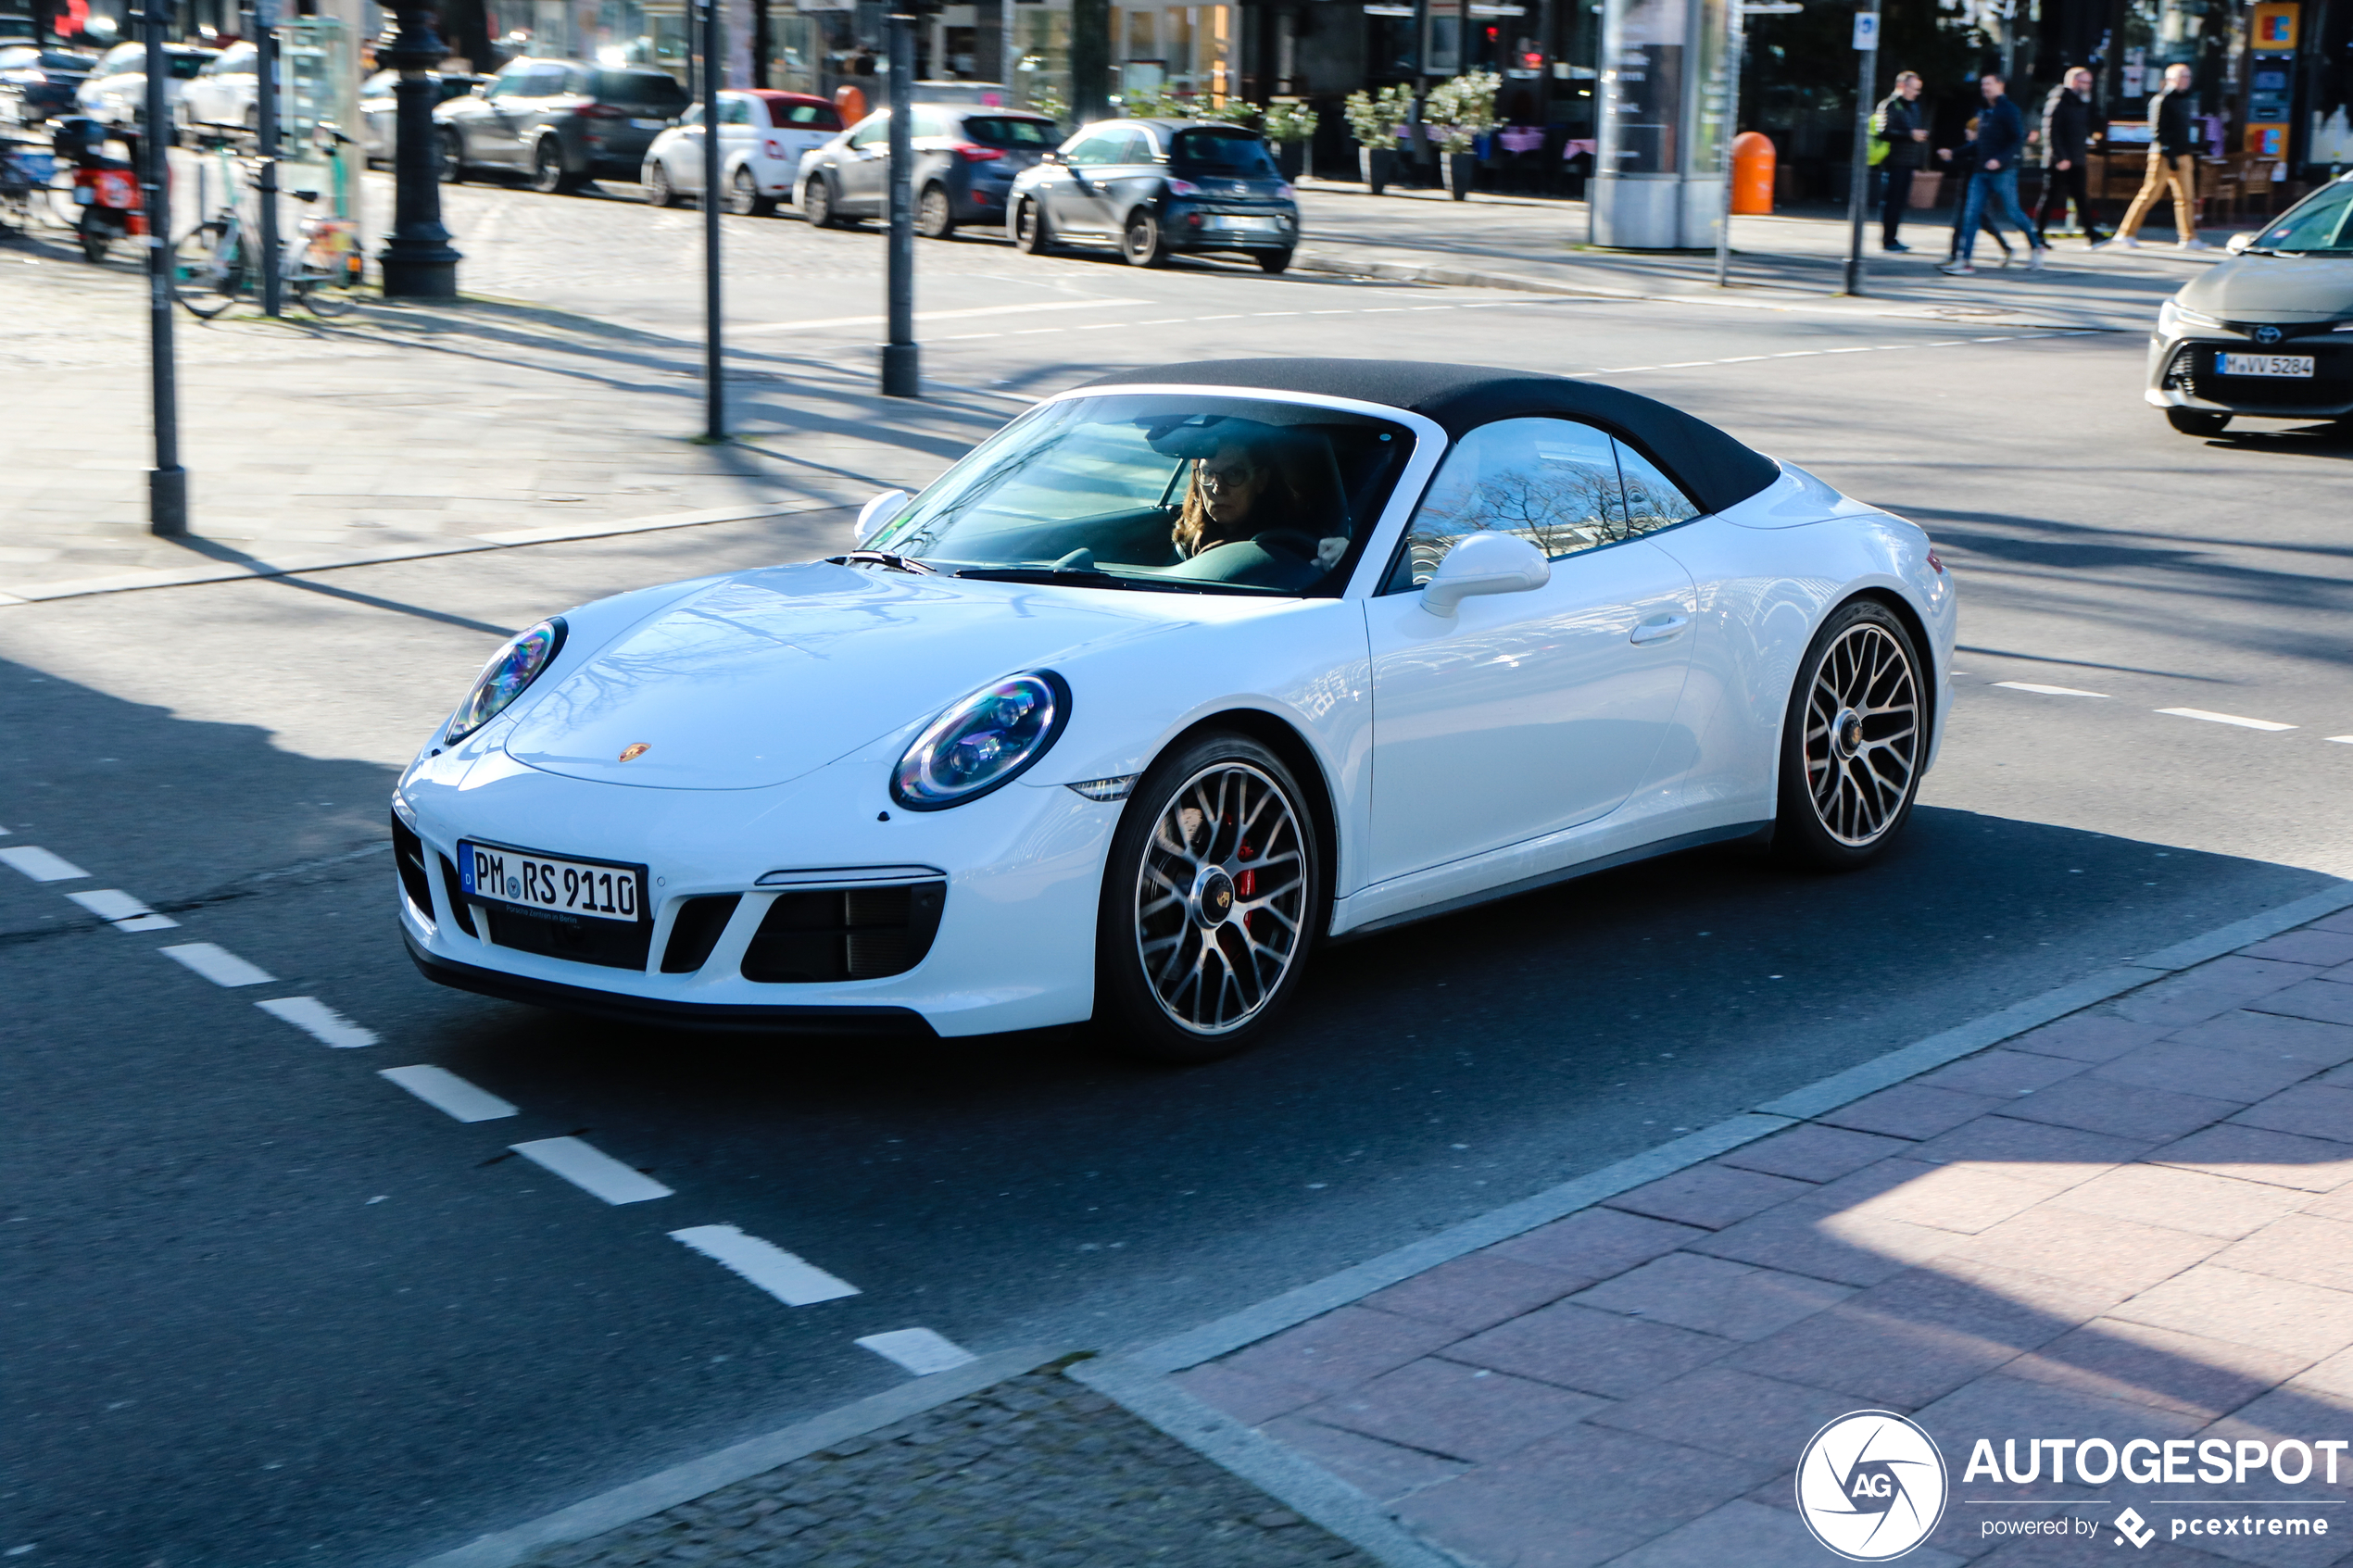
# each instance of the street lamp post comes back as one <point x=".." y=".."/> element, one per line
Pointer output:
<point x="167" y="482"/>
<point x="1858" y="174"/>
<point x="418" y="261"/>
<point x="715" y="354"/>
<point x="900" y="376"/>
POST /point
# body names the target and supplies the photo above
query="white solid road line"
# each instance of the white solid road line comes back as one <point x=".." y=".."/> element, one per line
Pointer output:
<point x="122" y="911"/>
<point x="445" y="1091"/>
<point x="2224" y="719"/>
<point x="40" y="865"/>
<point x="918" y="1350"/>
<point x="320" y="1021"/>
<point x="793" y="1281"/>
<point x="2341" y="740"/>
<point x="2044" y="691"/>
<point x="591" y="1170"/>
<point x="216" y="964"/>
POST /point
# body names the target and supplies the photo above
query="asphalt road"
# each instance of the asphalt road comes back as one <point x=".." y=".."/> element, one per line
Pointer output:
<point x="267" y="1309"/>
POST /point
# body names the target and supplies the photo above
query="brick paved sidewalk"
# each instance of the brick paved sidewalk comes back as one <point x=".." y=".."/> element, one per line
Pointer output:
<point x="2136" y="1222"/>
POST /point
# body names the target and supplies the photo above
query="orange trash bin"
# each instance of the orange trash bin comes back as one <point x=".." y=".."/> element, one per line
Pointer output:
<point x="850" y="103"/>
<point x="1752" y="172"/>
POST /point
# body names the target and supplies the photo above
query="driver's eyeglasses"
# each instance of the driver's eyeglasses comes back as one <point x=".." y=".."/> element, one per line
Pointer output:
<point x="1220" y="479"/>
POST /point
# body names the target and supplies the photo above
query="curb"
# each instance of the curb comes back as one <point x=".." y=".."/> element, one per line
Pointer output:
<point x="1137" y="1378"/>
<point x="754" y="1456"/>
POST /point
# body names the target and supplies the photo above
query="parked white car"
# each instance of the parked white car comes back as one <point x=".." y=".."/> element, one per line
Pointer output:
<point x="226" y="92"/>
<point x="116" y="92"/>
<point x="763" y="134"/>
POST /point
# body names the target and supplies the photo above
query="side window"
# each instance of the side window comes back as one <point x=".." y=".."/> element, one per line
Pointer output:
<point x="876" y="129"/>
<point x="510" y="83"/>
<point x="692" y="117"/>
<point x="1652" y="500"/>
<point x="735" y="111"/>
<point x="1552" y="481"/>
<point x="1100" y="148"/>
<point x="930" y="122"/>
<point x="1137" y="148"/>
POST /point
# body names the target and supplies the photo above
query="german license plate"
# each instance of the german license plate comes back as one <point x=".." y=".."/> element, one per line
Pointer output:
<point x="649" y="124"/>
<point x="2264" y="364"/>
<point x="1246" y="225"/>
<point x="599" y="890"/>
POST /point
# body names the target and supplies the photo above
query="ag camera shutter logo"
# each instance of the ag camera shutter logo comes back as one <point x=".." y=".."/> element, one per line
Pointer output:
<point x="1871" y="1485"/>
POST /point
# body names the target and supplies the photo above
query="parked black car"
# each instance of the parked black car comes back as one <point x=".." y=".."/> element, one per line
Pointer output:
<point x="1154" y="186"/>
<point x="966" y="158"/>
<point x="562" y="121"/>
<point x="40" y="83"/>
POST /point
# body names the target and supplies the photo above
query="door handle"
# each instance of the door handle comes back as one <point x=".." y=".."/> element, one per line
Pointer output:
<point x="1659" y="629"/>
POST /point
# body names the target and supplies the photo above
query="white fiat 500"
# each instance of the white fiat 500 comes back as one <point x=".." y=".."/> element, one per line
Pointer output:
<point x="1176" y="676"/>
<point x="763" y="134"/>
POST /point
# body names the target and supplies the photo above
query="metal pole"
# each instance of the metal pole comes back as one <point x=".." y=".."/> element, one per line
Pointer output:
<point x="167" y="482"/>
<point x="418" y="261"/>
<point x="265" y="114"/>
<point x="1735" y="45"/>
<point x="714" y="379"/>
<point x="900" y="377"/>
<point x="1859" y="177"/>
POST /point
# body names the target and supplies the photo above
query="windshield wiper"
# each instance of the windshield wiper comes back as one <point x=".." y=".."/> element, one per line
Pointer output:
<point x="884" y="558"/>
<point x="1089" y="580"/>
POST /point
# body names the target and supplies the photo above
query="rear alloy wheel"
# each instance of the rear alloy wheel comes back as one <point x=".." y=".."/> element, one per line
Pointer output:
<point x="817" y="203"/>
<point x="935" y="218"/>
<point x="660" y="191"/>
<point x="548" y="175"/>
<point x="2196" y="421"/>
<point x="744" y="198"/>
<point x="1028" y="224"/>
<point x="1273" y="260"/>
<point x="1853" y="742"/>
<point x="1140" y="242"/>
<point x="453" y="158"/>
<point x="1212" y="897"/>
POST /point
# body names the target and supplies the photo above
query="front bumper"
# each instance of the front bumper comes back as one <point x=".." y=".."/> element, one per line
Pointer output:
<point x="2184" y="373"/>
<point x="1018" y="876"/>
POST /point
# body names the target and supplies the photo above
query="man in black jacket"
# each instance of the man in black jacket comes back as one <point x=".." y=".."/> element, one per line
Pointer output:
<point x="1903" y="127"/>
<point x="2172" y="161"/>
<point x="2067" y="149"/>
<point x="2001" y="136"/>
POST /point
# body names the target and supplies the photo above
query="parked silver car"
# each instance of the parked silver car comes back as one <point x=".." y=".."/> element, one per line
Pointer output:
<point x="561" y="121"/>
<point x="380" y="111"/>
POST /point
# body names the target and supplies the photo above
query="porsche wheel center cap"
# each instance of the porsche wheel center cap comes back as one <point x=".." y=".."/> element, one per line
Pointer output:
<point x="1848" y="730"/>
<point x="1212" y="898"/>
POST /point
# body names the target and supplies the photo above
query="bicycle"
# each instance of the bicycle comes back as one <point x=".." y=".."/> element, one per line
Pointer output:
<point x="214" y="263"/>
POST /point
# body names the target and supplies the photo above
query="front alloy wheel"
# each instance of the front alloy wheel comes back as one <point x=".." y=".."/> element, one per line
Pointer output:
<point x="1030" y="236"/>
<point x="548" y="175"/>
<point x="817" y="203"/>
<point x="1853" y="741"/>
<point x="935" y="218"/>
<point x="1212" y="895"/>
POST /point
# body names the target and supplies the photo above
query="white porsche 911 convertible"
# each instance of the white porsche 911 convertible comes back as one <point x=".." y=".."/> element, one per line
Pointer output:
<point x="1176" y="676"/>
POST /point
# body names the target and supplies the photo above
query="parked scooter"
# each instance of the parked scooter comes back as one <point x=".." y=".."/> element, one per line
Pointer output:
<point x="104" y="189"/>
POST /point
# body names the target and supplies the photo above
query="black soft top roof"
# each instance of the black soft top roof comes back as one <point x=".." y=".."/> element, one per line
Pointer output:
<point x="1713" y="468"/>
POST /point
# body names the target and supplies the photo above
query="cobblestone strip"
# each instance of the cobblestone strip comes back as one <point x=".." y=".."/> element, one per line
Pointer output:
<point x="1038" y="1472"/>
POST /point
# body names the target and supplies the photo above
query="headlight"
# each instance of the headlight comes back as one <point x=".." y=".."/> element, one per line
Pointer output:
<point x="509" y="672"/>
<point x="986" y="740"/>
<point x="2172" y="319"/>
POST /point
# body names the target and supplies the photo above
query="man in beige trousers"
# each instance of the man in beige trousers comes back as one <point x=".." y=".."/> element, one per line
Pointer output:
<point x="2172" y="161"/>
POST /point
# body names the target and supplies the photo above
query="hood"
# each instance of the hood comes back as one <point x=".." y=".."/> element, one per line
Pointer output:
<point x="2274" y="288"/>
<point x="764" y="676"/>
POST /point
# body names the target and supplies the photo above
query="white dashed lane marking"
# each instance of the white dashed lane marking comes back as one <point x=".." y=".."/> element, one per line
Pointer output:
<point x="216" y="964"/>
<point x="321" y="1022"/>
<point x="2224" y="719"/>
<point x="2044" y="691"/>
<point x="122" y="911"/>
<point x="2341" y="740"/>
<point x="794" y="1280"/>
<point x="918" y="1350"/>
<point x="591" y="1170"/>
<point x="449" y="1094"/>
<point x="40" y="865"/>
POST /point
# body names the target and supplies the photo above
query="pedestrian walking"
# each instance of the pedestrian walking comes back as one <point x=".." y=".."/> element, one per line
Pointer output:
<point x="1901" y="124"/>
<point x="1993" y="186"/>
<point x="1964" y="162"/>
<point x="2172" y="161"/>
<point x="2066" y="154"/>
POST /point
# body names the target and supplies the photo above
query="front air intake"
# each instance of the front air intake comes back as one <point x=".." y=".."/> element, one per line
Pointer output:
<point x="813" y="935"/>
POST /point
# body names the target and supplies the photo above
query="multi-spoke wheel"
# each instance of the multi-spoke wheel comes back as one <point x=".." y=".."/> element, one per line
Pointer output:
<point x="1211" y="900"/>
<point x="1855" y="739"/>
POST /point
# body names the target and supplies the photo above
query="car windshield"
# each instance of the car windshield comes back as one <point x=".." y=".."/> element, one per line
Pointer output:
<point x="1233" y="154"/>
<point x="992" y="131"/>
<point x="186" y="68"/>
<point x="2323" y="222"/>
<point x="640" y="89"/>
<point x="1173" y="492"/>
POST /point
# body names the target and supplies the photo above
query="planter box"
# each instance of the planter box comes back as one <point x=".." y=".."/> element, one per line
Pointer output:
<point x="1460" y="172"/>
<point x="1377" y="166"/>
<point x="1292" y="158"/>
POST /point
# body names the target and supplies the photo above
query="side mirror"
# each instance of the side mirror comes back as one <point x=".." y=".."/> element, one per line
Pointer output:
<point x="875" y="513"/>
<point x="1051" y="154"/>
<point x="2236" y="244"/>
<point x="1485" y="563"/>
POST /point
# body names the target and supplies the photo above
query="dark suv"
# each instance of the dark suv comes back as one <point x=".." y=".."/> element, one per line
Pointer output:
<point x="1154" y="186"/>
<point x="562" y="121"/>
<point x="965" y="160"/>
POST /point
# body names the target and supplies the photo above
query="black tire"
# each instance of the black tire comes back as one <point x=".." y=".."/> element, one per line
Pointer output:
<point x="817" y="204"/>
<point x="1191" y="819"/>
<point x="548" y="175"/>
<point x="660" y="191"/>
<point x="204" y="280"/>
<point x="453" y="158"/>
<point x="95" y="239"/>
<point x="744" y="198"/>
<point x="1141" y="242"/>
<point x="1030" y="234"/>
<point x="1273" y="260"/>
<point x="1854" y="740"/>
<point x="934" y="214"/>
<point x="2196" y="421"/>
